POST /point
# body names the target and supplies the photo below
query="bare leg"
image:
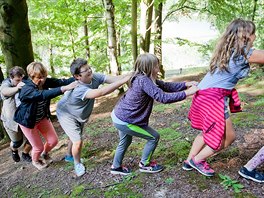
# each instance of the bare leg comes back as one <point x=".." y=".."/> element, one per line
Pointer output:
<point x="197" y="146"/>
<point x="69" y="148"/>
<point x="27" y="148"/>
<point x="229" y="138"/>
<point x="76" y="151"/>
<point x="230" y="135"/>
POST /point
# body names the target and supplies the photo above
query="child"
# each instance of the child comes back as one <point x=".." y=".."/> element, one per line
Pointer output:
<point x="209" y="109"/>
<point x="249" y="170"/>
<point x="131" y="114"/>
<point x="33" y="113"/>
<point x="74" y="109"/>
<point x="9" y="88"/>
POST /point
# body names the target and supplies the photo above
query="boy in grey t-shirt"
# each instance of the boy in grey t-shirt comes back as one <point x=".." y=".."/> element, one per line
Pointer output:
<point x="76" y="106"/>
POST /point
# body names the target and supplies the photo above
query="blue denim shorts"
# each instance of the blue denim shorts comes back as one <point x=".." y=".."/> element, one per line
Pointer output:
<point x="226" y="111"/>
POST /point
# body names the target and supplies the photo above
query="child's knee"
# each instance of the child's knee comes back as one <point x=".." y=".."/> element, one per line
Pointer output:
<point x="53" y="142"/>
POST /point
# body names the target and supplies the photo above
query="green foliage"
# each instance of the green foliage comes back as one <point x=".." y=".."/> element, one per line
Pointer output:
<point x="162" y="107"/>
<point x="77" y="190"/>
<point x="246" y="119"/>
<point x="254" y="77"/>
<point x="259" y="102"/>
<point x="20" y="191"/>
<point x="126" y="187"/>
<point x="169" y="134"/>
<point x="169" y="180"/>
<point x="227" y="182"/>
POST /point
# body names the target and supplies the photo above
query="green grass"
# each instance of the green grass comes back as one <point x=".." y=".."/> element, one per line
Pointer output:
<point x="246" y="119"/>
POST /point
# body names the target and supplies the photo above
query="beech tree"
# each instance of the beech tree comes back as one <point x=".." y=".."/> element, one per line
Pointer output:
<point x="15" y="35"/>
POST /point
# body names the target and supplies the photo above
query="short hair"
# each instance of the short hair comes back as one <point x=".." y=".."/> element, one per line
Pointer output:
<point x="35" y="69"/>
<point x="16" y="71"/>
<point x="76" y="65"/>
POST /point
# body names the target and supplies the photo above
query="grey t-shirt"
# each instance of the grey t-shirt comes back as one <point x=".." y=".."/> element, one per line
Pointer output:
<point x="74" y="103"/>
<point x="9" y="107"/>
<point x="238" y="68"/>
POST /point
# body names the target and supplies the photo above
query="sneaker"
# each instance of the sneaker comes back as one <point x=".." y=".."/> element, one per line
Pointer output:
<point x="186" y="166"/>
<point x="122" y="170"/>
<point x="26" y="157"/>
<point x="46" y="158"/>
<point x="15" y="156"/>
<point x="69" y="158"/>
<point x="253" y="175"/>
<point x="153" y="167"/>
<point x="79" y="169"/>
<point x="202" y="167"/>
<point x="39" y="164"/>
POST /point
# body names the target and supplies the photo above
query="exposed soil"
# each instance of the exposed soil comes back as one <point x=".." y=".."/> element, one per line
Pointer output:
<point x="23" y="180"/>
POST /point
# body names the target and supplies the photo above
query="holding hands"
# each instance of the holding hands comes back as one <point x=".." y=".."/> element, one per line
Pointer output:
<point x="192" y="88"/>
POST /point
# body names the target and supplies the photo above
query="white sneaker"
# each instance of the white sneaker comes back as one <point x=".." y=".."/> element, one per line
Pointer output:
<point x="79" y="169"/>
<point x="39" y="164"/>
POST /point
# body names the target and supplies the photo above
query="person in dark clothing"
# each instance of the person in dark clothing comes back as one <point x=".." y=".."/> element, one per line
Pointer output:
<point x="32" y="115"/>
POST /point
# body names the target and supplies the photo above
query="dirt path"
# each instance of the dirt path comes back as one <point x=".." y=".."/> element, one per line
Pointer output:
<point x="22" y="180"/>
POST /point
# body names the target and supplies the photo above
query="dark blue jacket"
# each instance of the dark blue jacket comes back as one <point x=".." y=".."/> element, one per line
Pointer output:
<point x="30" y="95"/>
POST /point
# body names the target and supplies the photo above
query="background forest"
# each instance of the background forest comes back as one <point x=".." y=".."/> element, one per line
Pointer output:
<point x="109" y="33"/>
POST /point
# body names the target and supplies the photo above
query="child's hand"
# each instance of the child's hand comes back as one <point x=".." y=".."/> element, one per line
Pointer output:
<point x="192" y="90"/>
<point x="20" y="85"/>
<point x="192" y="83"/>
<point x="69" y="86"/>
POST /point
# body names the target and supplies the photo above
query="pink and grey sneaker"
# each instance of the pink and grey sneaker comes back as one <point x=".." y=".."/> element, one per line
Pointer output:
<point x="152" y="167"/>
<point x="202" y="167"/>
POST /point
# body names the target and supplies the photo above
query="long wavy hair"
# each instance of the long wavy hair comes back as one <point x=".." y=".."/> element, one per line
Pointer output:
<point x="144" y="65"/>
<point x="235" y="39"/>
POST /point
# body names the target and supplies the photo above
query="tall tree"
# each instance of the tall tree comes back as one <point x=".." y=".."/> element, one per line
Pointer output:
<point x="15" y="33"/>
<point x="134" y="29"/>
<point x="111" y="33"/>
<point x="158" y="36"/>
<point x="146" y="23"/>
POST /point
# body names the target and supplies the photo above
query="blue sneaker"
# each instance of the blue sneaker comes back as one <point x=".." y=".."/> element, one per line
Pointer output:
<point x="253" y="175"/>
<point x="186" y="166"/>
<point x="152" y="167"/>
<point x="68" y="158"/>
<point x="79" y="169"/>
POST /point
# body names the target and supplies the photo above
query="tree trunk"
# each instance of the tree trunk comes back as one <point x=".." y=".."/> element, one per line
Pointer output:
<point x="15" y="35"/>
<point x="134" y="30"/>
<point x="158" y="37"/>
<point x="145" y="24"/>
<point x="51" y="62"/>
<point x="111" y="33"/>
<point x="85" y="28"/>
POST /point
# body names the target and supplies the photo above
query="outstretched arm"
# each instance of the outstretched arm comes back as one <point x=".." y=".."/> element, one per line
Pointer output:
<point x="95" y="93"/>
<point x="111" y="79"/>
<point x="257" y="57"/>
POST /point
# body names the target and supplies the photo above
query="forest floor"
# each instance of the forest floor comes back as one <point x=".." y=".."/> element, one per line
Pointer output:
<point x="100" y="140"/>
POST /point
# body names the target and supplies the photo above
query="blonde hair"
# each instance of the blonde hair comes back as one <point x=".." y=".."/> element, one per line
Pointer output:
<point x="36" y="69"/>
<point x="145" y="64"/>
<point x="235" y="39"/>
